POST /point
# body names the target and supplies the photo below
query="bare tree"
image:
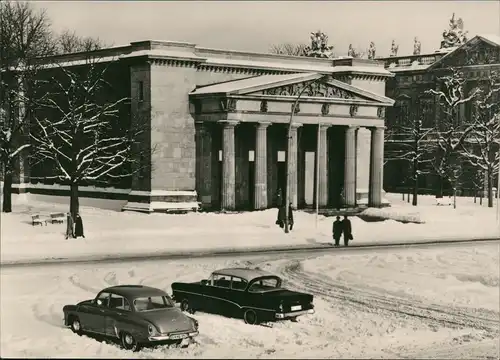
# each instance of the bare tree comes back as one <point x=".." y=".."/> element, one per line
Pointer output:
<point x="288" y="49"/>
<point x="81" y="129"/>
<point x="69" y="42"/>
<point x="451" y="131"/>
<point x="481" y="147"/>
<point x="24" y="36"/>
<point x="411" y="139"/>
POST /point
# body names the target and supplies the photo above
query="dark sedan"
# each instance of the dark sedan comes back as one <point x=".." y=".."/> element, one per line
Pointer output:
<point x="253" y="294"/>
<point x="135" y="314"/>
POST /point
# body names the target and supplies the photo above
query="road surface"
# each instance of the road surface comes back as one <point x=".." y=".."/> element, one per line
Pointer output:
<point x="358" y="319"/>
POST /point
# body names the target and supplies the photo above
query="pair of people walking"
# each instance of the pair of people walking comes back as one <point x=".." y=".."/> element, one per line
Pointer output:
<point x="342" y="227"/>
<point x="74" y="228"/>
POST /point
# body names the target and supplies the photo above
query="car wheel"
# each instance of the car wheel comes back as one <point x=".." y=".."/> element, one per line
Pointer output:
<point x="186" y="307"/>
<point x="250" y="317"/>
<point x="76" y="326"/>
<point x="129" y="342"/>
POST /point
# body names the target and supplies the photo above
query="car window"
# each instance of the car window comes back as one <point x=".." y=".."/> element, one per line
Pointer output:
<point x="152" y="303"/>
<point x="103" y="298"/>
<point x="265" y="284"/>
<point x="222" y="281"/>
<point x="119" y="302"/>
<point x="238" y="283"/>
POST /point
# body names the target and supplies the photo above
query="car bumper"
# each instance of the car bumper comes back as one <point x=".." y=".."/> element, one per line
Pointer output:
<point x="293" y="314"/>
<point x="173" y="337"/>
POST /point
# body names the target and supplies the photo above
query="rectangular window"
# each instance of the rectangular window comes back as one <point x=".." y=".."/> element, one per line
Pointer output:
<point x="238" y="283"/>
<point x="141" y="91"/>
<point x="251" y="156"/>
<point x="220" y="155"/>
<point x="281" y="156"/>
<point x="221" y="281"/>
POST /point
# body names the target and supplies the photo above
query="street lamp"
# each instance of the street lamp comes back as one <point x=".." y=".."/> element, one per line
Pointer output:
<point x="289" y="153"/>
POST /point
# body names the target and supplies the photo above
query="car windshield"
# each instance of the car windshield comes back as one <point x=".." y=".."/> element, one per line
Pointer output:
<point x="152" y="303"/>
<point x="265" y="284"/>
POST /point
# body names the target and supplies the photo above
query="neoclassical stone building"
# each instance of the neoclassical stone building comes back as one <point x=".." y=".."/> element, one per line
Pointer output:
<point x="478" y="58"/>
<point x="219" y="123"/>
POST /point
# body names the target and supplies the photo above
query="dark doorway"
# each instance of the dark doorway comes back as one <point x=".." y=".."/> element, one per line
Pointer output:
<point x="281" y="180"/>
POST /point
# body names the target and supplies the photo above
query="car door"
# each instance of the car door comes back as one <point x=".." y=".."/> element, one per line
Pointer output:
<point x="236" y="295"/>
<point x="92" y="316"/>
<point x="220" y="293"/>
<point x="117" y="311"/>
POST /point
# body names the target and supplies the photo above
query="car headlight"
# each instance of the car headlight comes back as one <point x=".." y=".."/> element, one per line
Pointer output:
<point x="196" y="324"/>
<point x="151" y="330"/>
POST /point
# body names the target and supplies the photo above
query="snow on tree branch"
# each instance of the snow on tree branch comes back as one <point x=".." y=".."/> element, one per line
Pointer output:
<point x="84" y="129"/>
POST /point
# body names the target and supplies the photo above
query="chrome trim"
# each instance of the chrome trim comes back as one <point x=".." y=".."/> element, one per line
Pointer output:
<point x="168" y="337"/>
<point x="232" y="302"/>
<point x="294" y="313"/>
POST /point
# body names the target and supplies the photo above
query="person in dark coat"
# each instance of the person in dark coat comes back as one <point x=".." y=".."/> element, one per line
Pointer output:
<point x="279" y="198"/>
<point x="290" y="216"/>
<point x="79" y="226"/>
<point x="347" y="229"/>
<point x="282" y="216"/>
<point x="70" y="232"/>
<point x="337" y="230"/>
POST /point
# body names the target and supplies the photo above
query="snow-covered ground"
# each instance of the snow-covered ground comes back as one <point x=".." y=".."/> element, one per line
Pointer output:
<point x="433" y="303"/>
<point x="114" y="233"/>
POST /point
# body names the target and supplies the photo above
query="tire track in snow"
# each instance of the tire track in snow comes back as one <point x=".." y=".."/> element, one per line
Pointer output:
<point x="328" y="288"/>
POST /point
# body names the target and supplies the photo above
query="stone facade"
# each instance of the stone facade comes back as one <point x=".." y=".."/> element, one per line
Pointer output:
<point x="219" y="123"/>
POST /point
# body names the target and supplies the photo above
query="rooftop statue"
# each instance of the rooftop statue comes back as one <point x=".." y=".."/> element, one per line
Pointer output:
<point x="455" y="35"/>
<point x="416" y="46"/>
<point x="319" y="46"/>
<point x="371" y="51"/>
<point x="394" y="49"/>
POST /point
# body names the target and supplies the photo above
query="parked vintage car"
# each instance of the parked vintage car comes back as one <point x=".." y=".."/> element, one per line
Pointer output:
<point x="253" y="294"/>
<point x="137" y="315"/>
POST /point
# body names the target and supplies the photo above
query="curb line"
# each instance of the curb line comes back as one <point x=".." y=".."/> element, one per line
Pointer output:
<point x="228" y="252"/>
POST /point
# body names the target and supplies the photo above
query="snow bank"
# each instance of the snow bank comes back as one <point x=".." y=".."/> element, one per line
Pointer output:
<point x="111" y="233"/>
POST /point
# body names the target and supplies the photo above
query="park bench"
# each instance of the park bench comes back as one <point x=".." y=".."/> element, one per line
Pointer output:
<point x="36" y="220"/>
<point x="57" y="218"/>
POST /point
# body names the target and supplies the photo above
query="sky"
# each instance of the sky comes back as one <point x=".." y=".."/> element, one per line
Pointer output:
<point x="256" y="25"/>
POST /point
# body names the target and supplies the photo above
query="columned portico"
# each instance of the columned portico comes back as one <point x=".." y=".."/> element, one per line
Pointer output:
<point x="228" y="166"/>
<point x="350" y="167"/>
<point x="292" y="166"/>
<point x="376" y="167"/>
<point x="323" y="166"/>
<point x="260" y="194"/>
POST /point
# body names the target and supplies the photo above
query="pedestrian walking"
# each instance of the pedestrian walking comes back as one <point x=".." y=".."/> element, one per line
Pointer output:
<point x="70" y="230"/>
<point x="79" y="226"/>
<point x="347" y="230"/>
<point x="337" y="230"/>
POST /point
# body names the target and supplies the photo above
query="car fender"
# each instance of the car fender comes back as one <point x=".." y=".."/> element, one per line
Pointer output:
<point x="136" y="327"/>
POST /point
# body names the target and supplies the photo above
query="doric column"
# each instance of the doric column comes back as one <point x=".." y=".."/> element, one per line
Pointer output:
<point x="323" y="166"/>
<point x="228" y="166"/>
<point x="292" y="166"/>
<point x="350" y="167"/>
<point x="260" y="193"/>
<point x="376" y="167"/>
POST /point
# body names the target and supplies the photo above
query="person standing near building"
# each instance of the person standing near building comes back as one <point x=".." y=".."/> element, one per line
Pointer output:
<point x="347" y="230"/>
<point x="79" y="226"/>
<point x="337" y="230"/>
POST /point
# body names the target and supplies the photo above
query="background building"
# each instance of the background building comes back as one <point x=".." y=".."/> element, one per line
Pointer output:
<point x="478" y="59"/>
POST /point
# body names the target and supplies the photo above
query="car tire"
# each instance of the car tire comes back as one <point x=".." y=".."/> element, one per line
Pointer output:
<point x="76" y="326"/>
<point x="186" y="306"/>
<point x="129" y="342"/>
<point x="250" y="317"/>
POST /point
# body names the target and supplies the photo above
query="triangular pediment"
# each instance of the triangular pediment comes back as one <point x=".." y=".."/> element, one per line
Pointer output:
<point x="480" y="50"/>
<point x="309" y="85"/>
